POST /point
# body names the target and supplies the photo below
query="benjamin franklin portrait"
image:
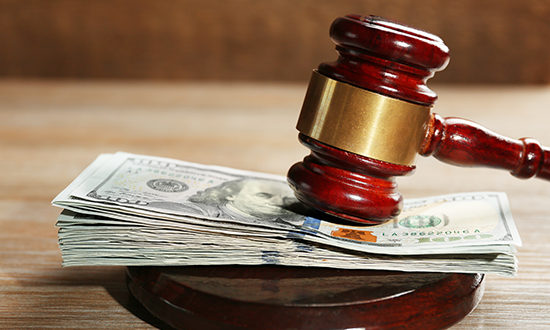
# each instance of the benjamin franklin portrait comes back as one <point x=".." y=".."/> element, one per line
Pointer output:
<point x="241" y="199"/>
<point x="258" y="198"/>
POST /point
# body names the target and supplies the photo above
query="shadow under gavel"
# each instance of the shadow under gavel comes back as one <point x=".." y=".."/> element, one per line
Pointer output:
<point x="366" y="116"/>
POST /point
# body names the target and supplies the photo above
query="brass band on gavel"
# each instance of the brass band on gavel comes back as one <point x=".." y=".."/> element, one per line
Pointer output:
<point x="362" y="122"/>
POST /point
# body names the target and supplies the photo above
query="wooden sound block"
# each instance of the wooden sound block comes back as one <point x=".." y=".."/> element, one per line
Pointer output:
<point x="278" y="297"/>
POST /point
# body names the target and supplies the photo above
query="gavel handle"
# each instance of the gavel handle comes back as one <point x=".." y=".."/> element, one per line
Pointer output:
<point x="461" y="142"/>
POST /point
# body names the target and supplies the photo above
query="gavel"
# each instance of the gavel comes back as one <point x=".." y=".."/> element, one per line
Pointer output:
<point x="367" y="115"/>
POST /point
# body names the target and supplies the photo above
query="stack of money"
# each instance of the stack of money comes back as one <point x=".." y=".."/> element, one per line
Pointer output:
<point x="127" y="209"/>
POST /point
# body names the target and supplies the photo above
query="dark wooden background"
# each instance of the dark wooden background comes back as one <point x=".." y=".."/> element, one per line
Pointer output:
<point x="491" y="41"/>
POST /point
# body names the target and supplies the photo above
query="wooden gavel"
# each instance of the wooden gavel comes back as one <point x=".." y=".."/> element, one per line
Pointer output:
<point x="366" y="116"/>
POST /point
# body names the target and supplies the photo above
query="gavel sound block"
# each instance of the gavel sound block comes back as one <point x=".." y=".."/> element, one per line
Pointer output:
<point x="367" y="115"/>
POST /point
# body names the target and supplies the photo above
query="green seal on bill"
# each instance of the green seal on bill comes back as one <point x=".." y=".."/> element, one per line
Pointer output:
<point x="420" y="221"/>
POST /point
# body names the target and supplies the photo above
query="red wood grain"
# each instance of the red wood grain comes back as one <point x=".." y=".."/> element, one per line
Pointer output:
<point x="275" y="297"/>
<point x="465" y="143"/>
<point x="347" y="185"/>
<point x="386" y="58"/>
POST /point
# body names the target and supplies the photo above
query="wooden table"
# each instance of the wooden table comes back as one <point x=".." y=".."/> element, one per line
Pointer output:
<point x="49" y="131"/>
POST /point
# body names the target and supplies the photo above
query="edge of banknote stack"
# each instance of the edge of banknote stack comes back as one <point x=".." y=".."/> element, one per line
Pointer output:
<point x="127" y="209"/>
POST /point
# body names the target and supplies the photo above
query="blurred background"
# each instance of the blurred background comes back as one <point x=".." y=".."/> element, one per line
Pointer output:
<point x="491" y="41"/>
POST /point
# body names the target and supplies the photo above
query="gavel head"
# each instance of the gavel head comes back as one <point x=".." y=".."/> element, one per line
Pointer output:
<point x="364" y="118"/>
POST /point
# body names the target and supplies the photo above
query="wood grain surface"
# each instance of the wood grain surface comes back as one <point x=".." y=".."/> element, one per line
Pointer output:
<point x="49" y="131"/>
<point x="491" y="41"/>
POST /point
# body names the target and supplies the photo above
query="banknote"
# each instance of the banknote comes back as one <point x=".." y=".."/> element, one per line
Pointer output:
<point x="466" y="223"/>
<point x="145" y="189"/>
<point x="158" y="186"/>
<point x="104" y="242"/>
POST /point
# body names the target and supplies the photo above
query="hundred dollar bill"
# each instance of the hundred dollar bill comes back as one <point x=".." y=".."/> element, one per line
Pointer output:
<point x="478" y="222"/>
<point x="153" y="188"/>
<point x="165" y="188"/>
<point x="89" y="240"/>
